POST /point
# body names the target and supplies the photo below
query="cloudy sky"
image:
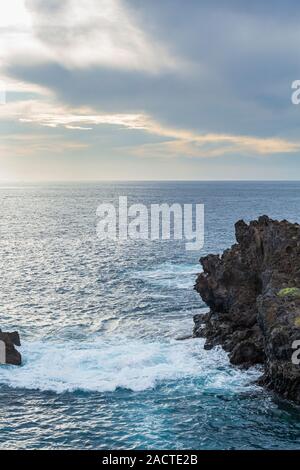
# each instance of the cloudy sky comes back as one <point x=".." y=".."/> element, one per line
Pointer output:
<point x="139" y="89"/>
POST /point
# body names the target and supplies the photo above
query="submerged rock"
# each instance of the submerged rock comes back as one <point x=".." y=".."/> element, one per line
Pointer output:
<point x="8" y="352"/>
<point x="253" y="291"/>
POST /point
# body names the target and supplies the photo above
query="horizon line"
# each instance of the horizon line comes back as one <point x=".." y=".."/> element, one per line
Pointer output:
<point x="4" y="182"/>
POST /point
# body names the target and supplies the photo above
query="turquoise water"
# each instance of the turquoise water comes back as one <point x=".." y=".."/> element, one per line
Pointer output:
<point x="102" y="367"/>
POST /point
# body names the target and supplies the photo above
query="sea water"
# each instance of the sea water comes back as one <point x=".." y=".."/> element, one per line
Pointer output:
<point x="102" y="368"/>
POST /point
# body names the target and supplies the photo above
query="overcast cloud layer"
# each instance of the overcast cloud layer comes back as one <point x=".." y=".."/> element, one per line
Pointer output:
<point x="172" y="89"/>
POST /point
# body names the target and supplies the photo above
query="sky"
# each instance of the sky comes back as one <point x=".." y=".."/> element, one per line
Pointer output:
<point x="149" y="90"/>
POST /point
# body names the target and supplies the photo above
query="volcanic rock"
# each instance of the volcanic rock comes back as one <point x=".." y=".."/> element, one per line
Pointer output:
<point x="253" y="292"/>
<point x="8" y="352"/>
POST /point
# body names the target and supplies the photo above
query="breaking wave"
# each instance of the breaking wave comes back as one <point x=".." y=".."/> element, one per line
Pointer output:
<point x="169" y="275"/>
<point x="104" y="366"/>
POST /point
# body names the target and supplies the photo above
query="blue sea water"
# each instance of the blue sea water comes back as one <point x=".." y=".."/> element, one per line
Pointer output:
<point x="99" y="320"/>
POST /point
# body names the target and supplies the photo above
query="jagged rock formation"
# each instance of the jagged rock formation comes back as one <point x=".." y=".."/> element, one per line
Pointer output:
<point x="8" y="352"/>
<point x="254" y="298"/>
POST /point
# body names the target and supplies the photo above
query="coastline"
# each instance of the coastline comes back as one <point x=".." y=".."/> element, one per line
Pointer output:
<point x="254" y="299"/>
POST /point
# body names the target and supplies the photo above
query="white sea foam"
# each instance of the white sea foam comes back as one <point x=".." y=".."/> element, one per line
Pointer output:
<point x="173" y="276"/>
<point x="104" y="366"/>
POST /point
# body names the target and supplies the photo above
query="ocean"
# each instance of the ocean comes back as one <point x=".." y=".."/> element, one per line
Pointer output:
<point x="98" y="320"/>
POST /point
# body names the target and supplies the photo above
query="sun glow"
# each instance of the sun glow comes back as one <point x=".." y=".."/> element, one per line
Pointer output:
<point x="14" y="13"/>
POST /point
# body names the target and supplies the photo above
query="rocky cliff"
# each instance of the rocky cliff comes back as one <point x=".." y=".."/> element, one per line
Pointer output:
<point x="253" y="291"/>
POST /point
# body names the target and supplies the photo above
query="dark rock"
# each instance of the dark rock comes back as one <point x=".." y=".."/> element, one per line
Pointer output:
<point x="252" y="291"/>
<point x="11" y="356"/>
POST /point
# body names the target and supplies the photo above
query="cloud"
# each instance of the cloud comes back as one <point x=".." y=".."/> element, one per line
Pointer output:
<point x="213" y="146"/>
<point x="25" y="145"/>
<point x="176" y="141"/>
<point x="154" y="79"/>
<point x="53" y="114"/>
<point x="11" y="85"/>
<point x="188" y="144"/>
<point x="232" y="66"/>
<point x="79" y="35"/>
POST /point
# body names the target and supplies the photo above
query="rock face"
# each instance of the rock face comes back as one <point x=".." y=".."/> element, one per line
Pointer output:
<point x="8" y="352"/>
<point x="254" y="298"/>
